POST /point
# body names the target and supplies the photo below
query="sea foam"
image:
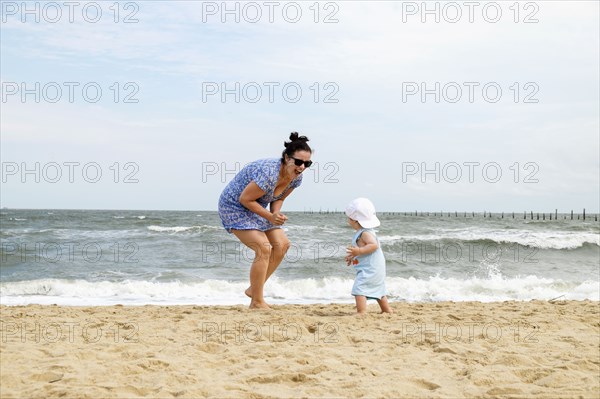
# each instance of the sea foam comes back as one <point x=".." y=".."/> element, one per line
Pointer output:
<point x="278" y="291"/>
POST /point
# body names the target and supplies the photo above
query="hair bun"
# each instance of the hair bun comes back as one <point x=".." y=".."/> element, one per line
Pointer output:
<point x="296" y="143"/>
<point x="295" y="137"/>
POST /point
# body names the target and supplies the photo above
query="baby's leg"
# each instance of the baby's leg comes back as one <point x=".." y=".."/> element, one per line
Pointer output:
<point x="384" y="305"/>
<point x="361" y="304"/>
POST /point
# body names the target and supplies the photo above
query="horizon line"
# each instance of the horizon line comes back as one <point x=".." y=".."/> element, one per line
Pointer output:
<point x="529" y="211"/>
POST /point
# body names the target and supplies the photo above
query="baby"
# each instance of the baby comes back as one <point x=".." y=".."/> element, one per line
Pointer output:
<point x="366" y="256"/>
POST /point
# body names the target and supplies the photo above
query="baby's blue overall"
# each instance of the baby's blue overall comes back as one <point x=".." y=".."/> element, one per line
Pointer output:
<point x="370" y="271"/>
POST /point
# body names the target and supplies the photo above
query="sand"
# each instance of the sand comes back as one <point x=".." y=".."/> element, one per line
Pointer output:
<point x="531" y="349"/>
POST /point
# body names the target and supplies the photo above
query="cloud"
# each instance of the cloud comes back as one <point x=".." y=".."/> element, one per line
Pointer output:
<point x="368" y="56"/>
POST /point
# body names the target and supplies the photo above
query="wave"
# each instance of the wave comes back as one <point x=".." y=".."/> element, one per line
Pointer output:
<point x="278" y="291"/>
<point x="141" y="217"/>
<point x="182" y="229"/>
<point x="541" y="240"/>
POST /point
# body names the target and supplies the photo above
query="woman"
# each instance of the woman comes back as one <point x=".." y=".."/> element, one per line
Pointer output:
<point x="243" y="203"/>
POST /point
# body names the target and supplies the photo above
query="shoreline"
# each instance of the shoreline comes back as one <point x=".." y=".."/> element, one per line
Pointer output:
<point x="282" y="306"/>
<point x="517" y="349"/>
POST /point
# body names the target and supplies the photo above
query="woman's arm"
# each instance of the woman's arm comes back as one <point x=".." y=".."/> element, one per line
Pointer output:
<point x="248" y="198"/>
<point x="276" y="205"/>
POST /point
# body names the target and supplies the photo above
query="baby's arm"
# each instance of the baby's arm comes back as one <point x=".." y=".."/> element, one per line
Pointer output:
<point x="366" y="244"/>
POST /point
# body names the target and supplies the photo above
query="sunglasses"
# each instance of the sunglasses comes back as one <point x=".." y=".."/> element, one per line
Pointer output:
<point x="299" y="162"/>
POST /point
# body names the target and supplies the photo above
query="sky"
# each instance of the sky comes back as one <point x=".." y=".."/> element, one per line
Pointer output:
<point x="436" y="106"/>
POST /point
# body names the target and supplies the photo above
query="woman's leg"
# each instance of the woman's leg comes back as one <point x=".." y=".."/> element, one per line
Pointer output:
<point x="279" y="247"/>
<point x="259" y="243"/>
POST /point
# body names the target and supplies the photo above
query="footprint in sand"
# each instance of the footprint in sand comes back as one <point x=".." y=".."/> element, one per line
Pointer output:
<point x="441" y="349"/>
<point x="211" y="347"/>
<point x="48" y="376"/>
<point x="297" y="377"/>
<point x="504" y="391"/>
<point x="529" y="376"/>
<point x="153" y="364"/>
<point x="426" y="384"/>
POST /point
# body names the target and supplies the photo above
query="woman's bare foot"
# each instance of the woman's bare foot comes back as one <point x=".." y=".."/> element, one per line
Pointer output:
<point x="248" y="292"/>
<point x="259" y="305"/>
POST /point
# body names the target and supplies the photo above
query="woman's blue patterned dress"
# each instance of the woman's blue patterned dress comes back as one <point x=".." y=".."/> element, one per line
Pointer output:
<point x="264" y="173"/>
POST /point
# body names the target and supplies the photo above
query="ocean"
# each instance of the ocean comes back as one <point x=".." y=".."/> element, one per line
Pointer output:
<point x="106" y="257"/>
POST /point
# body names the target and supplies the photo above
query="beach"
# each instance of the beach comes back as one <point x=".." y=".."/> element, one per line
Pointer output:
<point x="512" y="349"/>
